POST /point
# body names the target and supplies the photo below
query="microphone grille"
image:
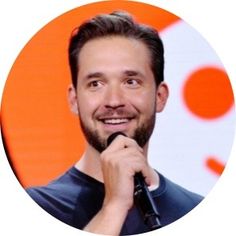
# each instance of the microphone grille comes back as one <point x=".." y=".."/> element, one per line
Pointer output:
<point x="113" y="136"/>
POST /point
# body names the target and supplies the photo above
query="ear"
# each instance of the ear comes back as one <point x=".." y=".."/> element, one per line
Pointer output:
<point x="72" y="99"/>
<point x="162" y="95"/>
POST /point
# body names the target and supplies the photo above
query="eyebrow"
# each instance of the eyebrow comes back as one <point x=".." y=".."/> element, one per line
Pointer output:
<point x="129" y="73"/>
<point x="94" y="75"/>
<point x="133" y="73"/>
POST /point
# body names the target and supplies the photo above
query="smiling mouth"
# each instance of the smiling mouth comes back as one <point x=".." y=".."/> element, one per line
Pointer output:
<point x="115" y="121"/>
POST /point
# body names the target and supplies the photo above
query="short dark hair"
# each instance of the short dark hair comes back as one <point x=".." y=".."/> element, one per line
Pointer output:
<point x="117" y="23"/>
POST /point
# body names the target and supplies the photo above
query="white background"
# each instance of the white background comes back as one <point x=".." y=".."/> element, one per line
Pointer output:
<point x="182" y="141"/>
<point x="20" y="20"/>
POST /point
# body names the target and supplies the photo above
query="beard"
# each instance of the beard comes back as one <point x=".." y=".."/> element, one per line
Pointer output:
<point x="141" y="134"/>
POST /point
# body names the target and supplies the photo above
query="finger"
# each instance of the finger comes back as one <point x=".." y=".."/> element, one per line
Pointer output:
<point x="121" y="142"/>
<point x="123" y="157"/>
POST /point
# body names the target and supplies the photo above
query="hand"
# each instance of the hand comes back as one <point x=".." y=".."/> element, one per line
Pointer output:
<point x="120" y="161"/>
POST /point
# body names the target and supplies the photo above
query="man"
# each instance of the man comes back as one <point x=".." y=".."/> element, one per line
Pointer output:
<point x="117" y="73"/>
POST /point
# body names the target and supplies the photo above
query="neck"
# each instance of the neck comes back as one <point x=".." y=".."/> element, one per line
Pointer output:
<point x="90" y="163"/>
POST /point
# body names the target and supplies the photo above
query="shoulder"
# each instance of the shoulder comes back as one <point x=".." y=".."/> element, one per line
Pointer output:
<point x="68" y="197"/>
<point x="173" y="200"/>
<point x="182" y="194"/>
<point x="176" y="192"/>
<point x="55" y="189"/>
<point x="59" y="196"/>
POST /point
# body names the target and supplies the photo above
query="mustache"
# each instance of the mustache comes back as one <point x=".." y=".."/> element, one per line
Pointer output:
<point x="118" y="112"/>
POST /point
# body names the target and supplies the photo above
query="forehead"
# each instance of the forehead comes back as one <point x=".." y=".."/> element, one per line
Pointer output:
<point x="114" y="57"/>
<point x="115" y="47"/>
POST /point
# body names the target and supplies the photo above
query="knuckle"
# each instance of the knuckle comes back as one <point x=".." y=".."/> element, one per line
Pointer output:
<point x="135" y="152"/>
<point x="133" y="142"/>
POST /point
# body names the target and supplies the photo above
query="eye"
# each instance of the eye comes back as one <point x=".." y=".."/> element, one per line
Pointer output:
<point x="95" y="84"/>
<point x="133" y="83"/>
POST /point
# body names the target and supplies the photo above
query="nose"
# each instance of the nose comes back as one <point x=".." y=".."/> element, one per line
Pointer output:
<point x="114" y="97"/>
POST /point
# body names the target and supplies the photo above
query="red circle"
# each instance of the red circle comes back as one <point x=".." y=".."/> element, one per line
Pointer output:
<point x="207" y="93"/>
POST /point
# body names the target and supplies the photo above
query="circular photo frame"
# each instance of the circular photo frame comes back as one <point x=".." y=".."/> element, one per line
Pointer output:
<point x="42" y="138"/>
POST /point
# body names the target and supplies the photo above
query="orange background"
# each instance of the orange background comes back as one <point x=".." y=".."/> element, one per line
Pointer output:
<point x="42" y="137"/>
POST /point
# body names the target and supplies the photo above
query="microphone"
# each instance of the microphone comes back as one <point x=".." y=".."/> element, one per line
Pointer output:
<point x="142" y="196"/>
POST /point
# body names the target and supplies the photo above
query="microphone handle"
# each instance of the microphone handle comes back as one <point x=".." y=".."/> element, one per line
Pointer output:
<point x="144" y="202"/>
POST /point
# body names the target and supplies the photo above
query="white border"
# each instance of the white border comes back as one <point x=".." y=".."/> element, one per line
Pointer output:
<point x="20" y="20"/>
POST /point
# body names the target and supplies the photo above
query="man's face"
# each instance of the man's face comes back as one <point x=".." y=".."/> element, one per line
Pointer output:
<point x="116" y="90"/>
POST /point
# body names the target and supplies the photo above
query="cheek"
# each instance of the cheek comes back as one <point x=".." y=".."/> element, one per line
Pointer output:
<point x="145" y="102"/>
<point x="147" y="99"/>
<point x="88" y="105"/>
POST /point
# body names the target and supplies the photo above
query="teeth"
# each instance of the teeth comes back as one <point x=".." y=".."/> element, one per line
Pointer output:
<point x="116" y="121"/>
